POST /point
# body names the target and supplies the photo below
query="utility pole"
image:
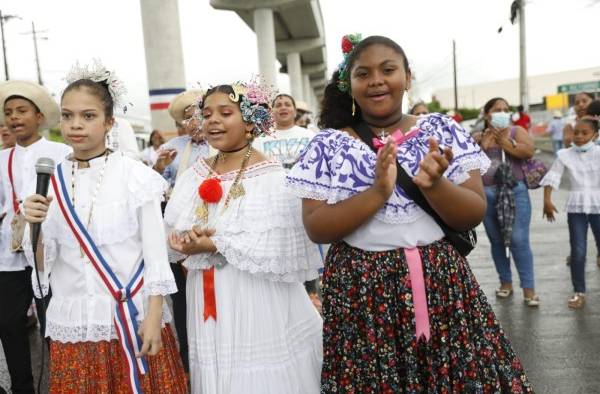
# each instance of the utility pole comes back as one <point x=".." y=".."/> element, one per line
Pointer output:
<point x="34" y="33"/>
<point x="523" y="88"/>
<point x="454" y="69"/>
<point x="2" y="19"/>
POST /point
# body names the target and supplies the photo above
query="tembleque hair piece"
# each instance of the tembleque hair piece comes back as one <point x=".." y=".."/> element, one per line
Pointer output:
<point x="96" y="72"/>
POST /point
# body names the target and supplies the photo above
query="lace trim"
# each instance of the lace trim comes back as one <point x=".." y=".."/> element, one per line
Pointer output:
<point x="202" y="169"/>
<point x="280" y="269"/>
<point x="582" y="208"/>
<point x="36" y="290"/>
<point x="551" y="179"/>
<point x="162" y="287"/>
<point x="92" y="332"/>
<point x="89" y="333"/>
<point x="202" y="261"/>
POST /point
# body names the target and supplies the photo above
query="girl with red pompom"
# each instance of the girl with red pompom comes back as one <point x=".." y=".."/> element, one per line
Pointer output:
<point x="251" y="326"/>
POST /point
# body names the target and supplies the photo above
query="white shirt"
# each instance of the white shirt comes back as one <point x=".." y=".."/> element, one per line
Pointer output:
<point x="126" y="226"/>
<point x="584" y="174"/>
<point x="285" y="146"/>
<point x="24" y="175"/>
<point x="150" y="155"/>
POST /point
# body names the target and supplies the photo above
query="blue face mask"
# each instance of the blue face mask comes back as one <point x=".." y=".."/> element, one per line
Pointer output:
<point x="500" y="120"/>
<point x="585" y="147"/>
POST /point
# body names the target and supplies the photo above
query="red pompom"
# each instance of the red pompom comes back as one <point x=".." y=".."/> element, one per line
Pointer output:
<point x="346" y="45"/>
<point x="210" y="190"/>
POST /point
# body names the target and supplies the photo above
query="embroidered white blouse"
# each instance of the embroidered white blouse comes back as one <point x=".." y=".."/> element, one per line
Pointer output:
<point x="24" y="174"/>
<point x="336" y="166"/>
<point x="260" y="232"/>
<point x="126" y="225"/>
<point x="584" y="175"/>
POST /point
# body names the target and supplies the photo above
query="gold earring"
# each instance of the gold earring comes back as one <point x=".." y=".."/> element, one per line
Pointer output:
<point x="353" y="107"/>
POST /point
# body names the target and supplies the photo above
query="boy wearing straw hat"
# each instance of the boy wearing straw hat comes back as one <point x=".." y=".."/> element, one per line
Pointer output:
<point x="27" y="109"/>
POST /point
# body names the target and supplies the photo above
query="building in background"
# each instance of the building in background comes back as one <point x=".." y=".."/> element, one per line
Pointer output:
<point x="558" y="89"/>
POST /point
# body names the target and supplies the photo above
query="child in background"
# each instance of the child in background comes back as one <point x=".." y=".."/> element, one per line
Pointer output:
<point x="582" y="160"/>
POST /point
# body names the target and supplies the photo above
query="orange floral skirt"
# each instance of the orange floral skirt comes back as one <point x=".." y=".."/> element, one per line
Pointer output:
<point x="101" y="368"/>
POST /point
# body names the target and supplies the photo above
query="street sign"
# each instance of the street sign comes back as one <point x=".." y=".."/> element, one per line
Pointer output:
<point x="591" y="86"/>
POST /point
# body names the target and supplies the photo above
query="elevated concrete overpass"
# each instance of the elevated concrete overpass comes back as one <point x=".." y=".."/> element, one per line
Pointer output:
<point x="292" y="32"/>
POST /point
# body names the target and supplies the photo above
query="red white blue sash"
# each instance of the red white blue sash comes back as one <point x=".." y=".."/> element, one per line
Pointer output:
<point x="126" y="312"/>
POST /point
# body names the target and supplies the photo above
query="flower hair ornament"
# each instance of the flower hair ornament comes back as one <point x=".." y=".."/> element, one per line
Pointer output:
<point x="98" y="73"/>
<point x="349" y="42"/>
<point x="254" y="99"/>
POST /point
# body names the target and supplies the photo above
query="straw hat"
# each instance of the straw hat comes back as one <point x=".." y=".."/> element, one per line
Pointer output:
<point x="302" y="106"/>
<point x="35" y="93"/>
<point x="182" y="101"/>
<point x="557" y="114"/>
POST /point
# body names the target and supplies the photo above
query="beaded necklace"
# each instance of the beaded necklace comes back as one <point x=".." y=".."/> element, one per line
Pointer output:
<point x="96" y="190"/>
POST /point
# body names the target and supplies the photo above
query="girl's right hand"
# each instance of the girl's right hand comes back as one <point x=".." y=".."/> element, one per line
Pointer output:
<point x="36" y="208"/>
<point x="385" y="170"/>
<point x="549" y="210"/>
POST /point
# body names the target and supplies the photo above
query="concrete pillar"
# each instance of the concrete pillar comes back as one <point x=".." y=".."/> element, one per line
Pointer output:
<point x="314" y="99"/>
<point x="265" y="40"/>
<point x="164" y="58"/>
<point x="294" y="68"/>
<point x="306" y="91"/>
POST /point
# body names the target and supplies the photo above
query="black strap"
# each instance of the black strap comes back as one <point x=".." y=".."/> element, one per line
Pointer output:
<point x="404" y="180"/>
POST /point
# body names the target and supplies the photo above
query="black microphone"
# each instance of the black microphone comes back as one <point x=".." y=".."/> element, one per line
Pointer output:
<point x="44" y="169"/>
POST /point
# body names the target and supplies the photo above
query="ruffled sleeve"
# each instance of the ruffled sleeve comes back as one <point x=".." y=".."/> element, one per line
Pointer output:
<point x="268" y="237"/>
<point x="311" y="176"/>
<point x="261" y="233"/>
<point x="554" y="175"/>
<point x="146" y="191"/>
<point x="468" y="156"/>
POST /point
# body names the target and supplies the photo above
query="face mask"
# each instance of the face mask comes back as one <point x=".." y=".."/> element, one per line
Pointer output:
<point x="500" y="120"/>
<point x="585" y="147"/>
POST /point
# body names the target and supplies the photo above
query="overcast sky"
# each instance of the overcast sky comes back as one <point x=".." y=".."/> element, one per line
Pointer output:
<point x="218" y="46"/>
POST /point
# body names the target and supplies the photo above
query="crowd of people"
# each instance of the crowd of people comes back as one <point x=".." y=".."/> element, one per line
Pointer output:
<point x="231" y="220"/>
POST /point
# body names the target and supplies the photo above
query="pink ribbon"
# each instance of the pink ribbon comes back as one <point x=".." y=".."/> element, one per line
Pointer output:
<point x="397" y="136"/>
<point x="415" y="270"/>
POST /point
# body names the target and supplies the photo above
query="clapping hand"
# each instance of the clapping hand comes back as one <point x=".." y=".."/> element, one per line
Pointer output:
<point x="433" y="166"/>
<point x="385" y="170"/>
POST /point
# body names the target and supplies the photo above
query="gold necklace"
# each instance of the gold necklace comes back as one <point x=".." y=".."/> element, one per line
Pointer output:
<point x="235" y="191"/>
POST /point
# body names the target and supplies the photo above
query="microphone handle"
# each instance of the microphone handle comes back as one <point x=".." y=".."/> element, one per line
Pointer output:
<point x="43" y="181"/>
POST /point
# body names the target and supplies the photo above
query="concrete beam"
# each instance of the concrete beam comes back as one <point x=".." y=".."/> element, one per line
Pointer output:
<point x="249" y="5"/>
<point x="299" y="45"/>
<point x="313" y="68"/>
<point x="314" y="83"/>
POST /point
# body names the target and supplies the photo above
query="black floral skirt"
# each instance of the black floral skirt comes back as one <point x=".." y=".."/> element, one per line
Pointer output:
<point x="369" y="337"/>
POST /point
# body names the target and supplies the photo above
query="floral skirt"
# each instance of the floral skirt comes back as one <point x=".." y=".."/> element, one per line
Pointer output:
<point x="101" y="368"/>
<point x="369" y="337"/>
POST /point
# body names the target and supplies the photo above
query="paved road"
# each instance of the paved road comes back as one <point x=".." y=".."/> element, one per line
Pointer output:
<point x="559" y="348"/>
